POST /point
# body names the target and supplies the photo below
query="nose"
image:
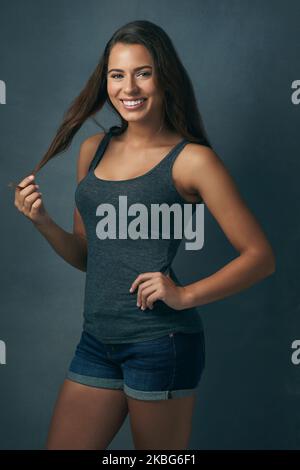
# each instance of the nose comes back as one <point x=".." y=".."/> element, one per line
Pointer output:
<point x="130" y="86"/>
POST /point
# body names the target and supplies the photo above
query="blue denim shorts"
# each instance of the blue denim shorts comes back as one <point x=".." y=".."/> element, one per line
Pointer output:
<point x="157" y="369"/>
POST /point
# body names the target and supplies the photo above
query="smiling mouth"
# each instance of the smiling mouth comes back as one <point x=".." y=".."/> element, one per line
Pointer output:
<point x="136" y="99"/>
<point x="132" y="104"/>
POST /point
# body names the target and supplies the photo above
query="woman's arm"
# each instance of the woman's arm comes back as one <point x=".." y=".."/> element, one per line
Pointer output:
<point x="205" y="174"/>
<point x="72" y="247"/>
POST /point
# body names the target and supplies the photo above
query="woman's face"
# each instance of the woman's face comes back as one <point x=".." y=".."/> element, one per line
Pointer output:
<point x="135" y="79"/>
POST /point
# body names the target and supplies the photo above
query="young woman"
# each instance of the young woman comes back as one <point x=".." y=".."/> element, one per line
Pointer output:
<point x="142" y="346"/>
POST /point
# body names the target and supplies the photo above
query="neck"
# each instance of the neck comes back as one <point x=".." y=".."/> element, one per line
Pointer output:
<point x="142" y="135"/>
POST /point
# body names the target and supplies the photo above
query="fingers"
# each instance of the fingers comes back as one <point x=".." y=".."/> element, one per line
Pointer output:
<point x="150" y="284"/>
<point x="152" y="298"/>
<point x="150" y="291"/>
<point x="144" y="290"/>
<point x="30" y="199"/>
<point x="143" y="277"/>
<point x="35" y="206"/>
<point x="29" y="180"/>
<point x="27" y="190"/>
<point x="25" y="182"/>
<point x="24" y="197"/>
<point x="29" y="208"/>
<point x="27" y="198"/>
<point x="148" y="296"/>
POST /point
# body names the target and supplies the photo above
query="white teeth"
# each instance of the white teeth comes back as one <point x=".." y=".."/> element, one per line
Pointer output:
<point x="133" y="103"/>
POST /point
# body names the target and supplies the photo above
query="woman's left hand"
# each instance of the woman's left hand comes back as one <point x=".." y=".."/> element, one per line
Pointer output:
<point x="158" y="286"/>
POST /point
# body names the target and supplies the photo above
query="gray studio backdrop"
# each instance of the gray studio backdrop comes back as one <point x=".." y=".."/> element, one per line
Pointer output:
<point x="243" y="59"/>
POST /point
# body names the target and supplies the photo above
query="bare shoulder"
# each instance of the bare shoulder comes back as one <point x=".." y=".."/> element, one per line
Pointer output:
<point x="197" y="155"/>
<point x="193" y="163"/>
<point x="90" y="145"/>
<point x="87" y="152"/>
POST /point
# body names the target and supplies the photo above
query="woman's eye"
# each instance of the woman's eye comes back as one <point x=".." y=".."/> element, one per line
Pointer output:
<point x="141" y="73"/>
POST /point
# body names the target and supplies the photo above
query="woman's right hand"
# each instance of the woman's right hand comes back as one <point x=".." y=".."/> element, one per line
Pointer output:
<point x="29" y="201"/>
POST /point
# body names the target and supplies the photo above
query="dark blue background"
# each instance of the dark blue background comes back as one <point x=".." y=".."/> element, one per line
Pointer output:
<point x="242" y="57"/>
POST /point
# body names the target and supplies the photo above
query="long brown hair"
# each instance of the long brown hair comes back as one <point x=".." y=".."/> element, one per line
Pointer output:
<point x="180" y="107"/>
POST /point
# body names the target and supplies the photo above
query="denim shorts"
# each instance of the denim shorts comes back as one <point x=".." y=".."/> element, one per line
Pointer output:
<point x="157" y="369"/>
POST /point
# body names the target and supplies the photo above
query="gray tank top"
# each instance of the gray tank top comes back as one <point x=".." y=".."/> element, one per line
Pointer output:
<point x="122" y="243"/>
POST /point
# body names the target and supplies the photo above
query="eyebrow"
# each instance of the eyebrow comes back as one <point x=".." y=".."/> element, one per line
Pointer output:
<point x="137" y="68"/>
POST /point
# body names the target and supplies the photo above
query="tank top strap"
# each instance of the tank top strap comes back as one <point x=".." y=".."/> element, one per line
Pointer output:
<point x="100" y="150"/>
<point x="175" y="151"/>
<point x="166" y="168"/>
